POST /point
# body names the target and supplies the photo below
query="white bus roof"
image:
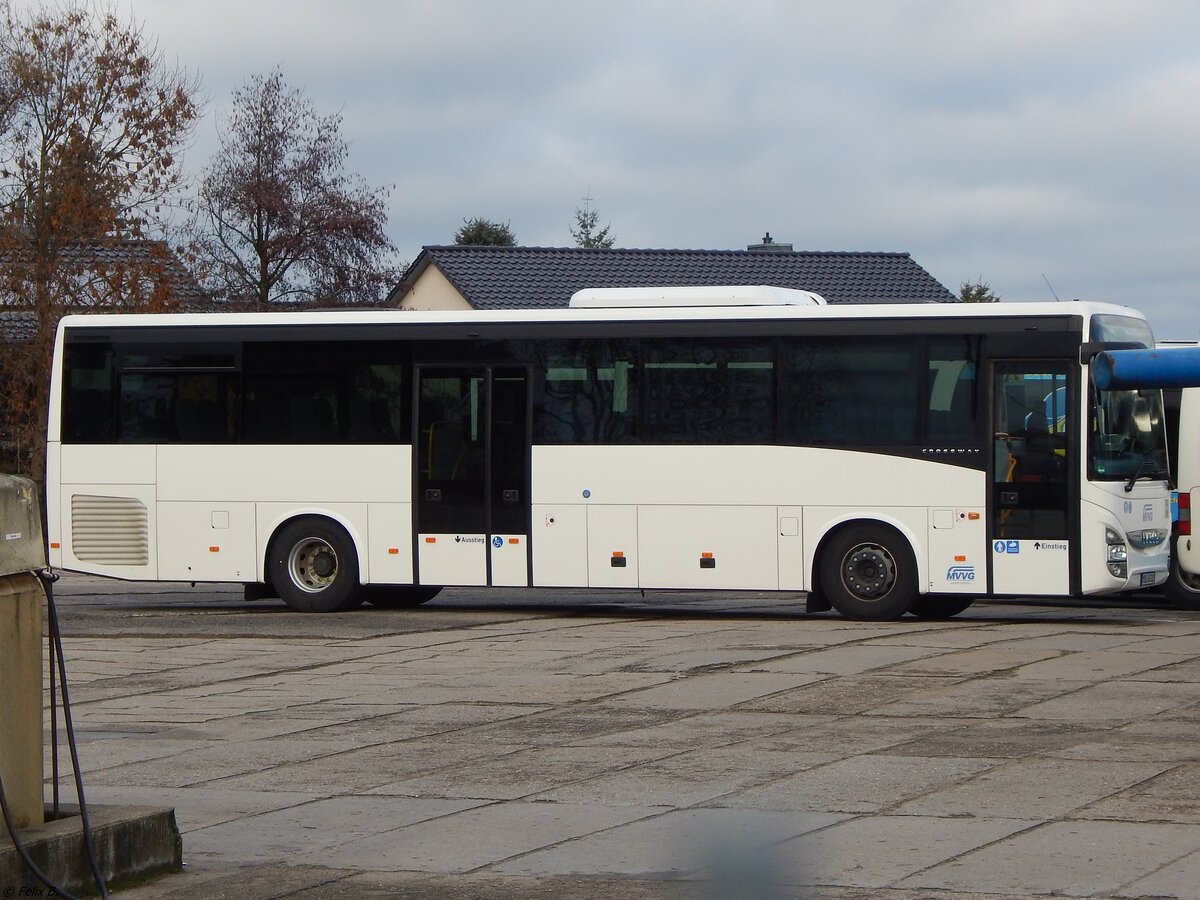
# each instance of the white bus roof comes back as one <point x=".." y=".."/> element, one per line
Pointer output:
<point x="565" y="315"/>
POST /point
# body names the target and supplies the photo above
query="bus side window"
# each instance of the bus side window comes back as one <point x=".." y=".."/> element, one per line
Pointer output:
<point x="88" y="413"/>
<point x="586" y="393"/>
<point x="849" y="391"/>
<point x="952" y="384"/>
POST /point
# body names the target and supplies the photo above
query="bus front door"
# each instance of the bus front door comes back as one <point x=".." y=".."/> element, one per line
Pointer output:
<point x="1032" y="419"/>
<point x="472" y="476"/>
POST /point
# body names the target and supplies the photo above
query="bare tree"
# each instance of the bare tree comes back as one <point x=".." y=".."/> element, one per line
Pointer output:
<point x="91" y="125"/>
<point x="278" y="218"/>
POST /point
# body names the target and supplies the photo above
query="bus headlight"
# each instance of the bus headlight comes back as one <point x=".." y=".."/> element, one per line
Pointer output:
<point x="1147" y="537"/>
<point x="1118" y="554"/>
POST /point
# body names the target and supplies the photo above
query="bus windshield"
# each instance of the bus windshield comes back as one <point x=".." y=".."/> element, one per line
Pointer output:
<point x="1128" y="439"/>
<point x="1128" y="434"/>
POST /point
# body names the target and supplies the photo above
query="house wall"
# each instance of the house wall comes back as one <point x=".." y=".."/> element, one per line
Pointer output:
<point x="432" y="290"/>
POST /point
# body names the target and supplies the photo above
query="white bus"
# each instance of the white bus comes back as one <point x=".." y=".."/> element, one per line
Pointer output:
<point x="1182" y="408"/>
<point x="885" y="459"/>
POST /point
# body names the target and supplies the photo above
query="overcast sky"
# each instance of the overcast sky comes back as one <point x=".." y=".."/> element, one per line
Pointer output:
<point x="1021" y="142"/>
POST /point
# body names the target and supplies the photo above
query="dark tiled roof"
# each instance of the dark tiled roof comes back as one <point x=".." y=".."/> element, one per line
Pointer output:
<point x="545" y="277"/>
<point x="151" y="260"/>
<point x="151" y="256"/>
<point x="17" y="325"/>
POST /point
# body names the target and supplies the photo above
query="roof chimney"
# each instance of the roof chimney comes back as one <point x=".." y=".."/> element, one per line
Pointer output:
<point x="768" y="245"/>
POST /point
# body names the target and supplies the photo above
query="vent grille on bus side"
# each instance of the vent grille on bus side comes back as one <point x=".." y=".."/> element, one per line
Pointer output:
<point x="112" y="531"/>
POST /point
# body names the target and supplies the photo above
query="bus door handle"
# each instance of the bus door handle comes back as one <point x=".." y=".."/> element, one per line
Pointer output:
<point x="433" y="495"/>
<point x="510" y="496"/>
<point x="1009" y="498"/>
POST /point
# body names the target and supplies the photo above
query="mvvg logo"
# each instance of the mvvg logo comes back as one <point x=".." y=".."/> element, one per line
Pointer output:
<point x="960" y="573"/>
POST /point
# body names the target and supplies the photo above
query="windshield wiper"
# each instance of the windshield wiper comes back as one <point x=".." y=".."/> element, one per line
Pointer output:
<point x="1146" y="469"/>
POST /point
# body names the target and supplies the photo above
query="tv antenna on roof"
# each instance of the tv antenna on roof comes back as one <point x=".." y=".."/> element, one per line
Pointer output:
<point x="1049" y="285"/>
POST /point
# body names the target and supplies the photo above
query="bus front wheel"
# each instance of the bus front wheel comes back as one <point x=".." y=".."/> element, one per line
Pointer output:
<point x="313" y="566"/>
<point x="868" y="572"/>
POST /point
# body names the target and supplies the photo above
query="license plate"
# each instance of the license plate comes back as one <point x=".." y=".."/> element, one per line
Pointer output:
<point x="1147" y="579"/>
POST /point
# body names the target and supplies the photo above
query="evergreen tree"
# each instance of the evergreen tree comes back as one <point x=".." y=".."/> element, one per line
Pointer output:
<point x="585" y="232"/>
<point x="484" y="233"/>
<point x="977" y="292"/>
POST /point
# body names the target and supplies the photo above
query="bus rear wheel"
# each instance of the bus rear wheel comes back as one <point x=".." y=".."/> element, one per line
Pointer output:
<point x="399" y="596"/>
<point x="313" y="566"/>
<point x="868" y="572"/>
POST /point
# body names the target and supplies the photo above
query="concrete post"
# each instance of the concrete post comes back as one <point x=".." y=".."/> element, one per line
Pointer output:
<point x="21" y="697"/>
<point x="21" y="553"/>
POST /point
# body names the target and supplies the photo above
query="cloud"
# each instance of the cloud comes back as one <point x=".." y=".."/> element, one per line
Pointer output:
<point x="994" y="140"/>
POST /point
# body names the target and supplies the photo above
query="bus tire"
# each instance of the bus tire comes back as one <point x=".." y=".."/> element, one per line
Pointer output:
<point x="939" y="606"/>
<point x="314" y="567"/>
<point x="399" y="596"/>
<point x="1182" y="589"/>
<point x="868" y="572"/>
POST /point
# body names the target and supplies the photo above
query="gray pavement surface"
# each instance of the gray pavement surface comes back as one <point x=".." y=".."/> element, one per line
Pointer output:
<point x="511" y="744"/>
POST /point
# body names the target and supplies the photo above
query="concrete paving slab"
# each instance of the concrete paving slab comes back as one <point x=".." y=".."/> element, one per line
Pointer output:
<point x="230" y="882"/>
<point x="1187" y="670"/>
<point x="1009" y="738"/>
<point x="847" y="660"/>
<point x="688" y="778"/>
<point x="847" y="736"/>
<point x="480" y="837"/>
<point x="710" y="691"/>
<point x="868" y="851"/>
<point x="1094" y="666"/>
<point x="529" y="687"/>
<point x="127" y="746"/>
<point x="861" y="784"/>
<point x="705" y="659"/>
<point x="972" y="698"/>
<point x="593" y="724"/>
<point x="961" y="633"/>
<point x="1032" y="789"/>
<point x="1114" y="702"/>
<point x="314" y="831"/>
<point x="534" y="771"/>
<point x="413" y="886"/>
<point x="1174" y="880"/>
<point x="254" y="727"/>
<point x="1161" y="739"/>
<point x="360" y="770"/>
<point x="1171" y="796"/>
<point x="1176" y="644"/>
<point x="219" y="760"/>
<point x="1073" y="640"/>
<point x="1074" y="859"/>
<point x="688" y="729"/>
<point x="992" y="660"/>
<point x="846" y="695"/>
<point x="680" y="843"/>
